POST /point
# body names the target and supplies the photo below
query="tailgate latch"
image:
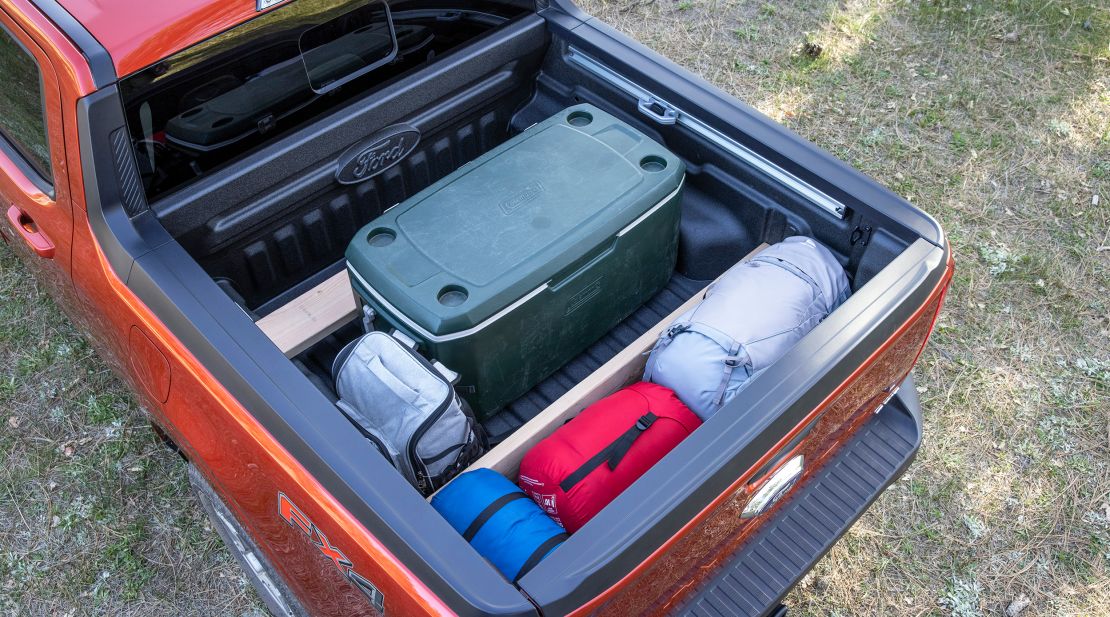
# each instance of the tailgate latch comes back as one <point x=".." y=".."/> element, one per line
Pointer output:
<point x="779" y="484"/>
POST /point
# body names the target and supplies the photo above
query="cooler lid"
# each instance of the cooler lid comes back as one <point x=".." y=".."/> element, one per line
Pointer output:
<point x="500" y="213"/>
<point x="465" y="248"/>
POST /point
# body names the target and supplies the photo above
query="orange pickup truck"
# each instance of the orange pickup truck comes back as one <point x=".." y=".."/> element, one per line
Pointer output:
<point x="177" y="174"/>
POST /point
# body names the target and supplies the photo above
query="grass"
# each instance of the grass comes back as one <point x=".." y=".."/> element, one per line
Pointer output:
<point x="995" y="118"/>
<point x="98" y="515"/>
<point x="992" y="115"/>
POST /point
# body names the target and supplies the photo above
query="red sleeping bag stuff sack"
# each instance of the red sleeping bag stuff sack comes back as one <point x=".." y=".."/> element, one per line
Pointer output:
<point x="587" y="462"/>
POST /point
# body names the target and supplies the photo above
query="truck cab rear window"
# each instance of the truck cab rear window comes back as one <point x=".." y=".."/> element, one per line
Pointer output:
<point x="213" y="103"/>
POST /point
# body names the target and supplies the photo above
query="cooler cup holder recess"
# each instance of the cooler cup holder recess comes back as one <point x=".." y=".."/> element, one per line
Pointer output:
<point x="381" y="236"/>
<point x="452" y="295"/>
<point x="192" y="112"/>
<point x="652" y="162"/>
<point x="579" y="118"/>
<point x="226" y="120"/>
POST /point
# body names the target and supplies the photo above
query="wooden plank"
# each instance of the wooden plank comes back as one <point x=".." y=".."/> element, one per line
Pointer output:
<point x="311" y="316"/>
<point x="624" y="369"/>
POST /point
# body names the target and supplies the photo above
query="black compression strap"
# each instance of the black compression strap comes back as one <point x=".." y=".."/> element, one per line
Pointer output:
<point x="611" y="454"/>
<point x="541" y="552"/>
<point x="490" y="510"/>
<point x="437" y="457"/>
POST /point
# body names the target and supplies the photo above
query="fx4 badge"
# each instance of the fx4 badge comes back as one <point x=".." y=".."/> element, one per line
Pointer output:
<point x="376" y="153"/>
<point x="291" y="514"/>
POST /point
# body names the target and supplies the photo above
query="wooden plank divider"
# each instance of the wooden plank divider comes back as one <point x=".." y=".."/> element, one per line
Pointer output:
<point x="313" y="315"/>
<point x="323" y="309"/>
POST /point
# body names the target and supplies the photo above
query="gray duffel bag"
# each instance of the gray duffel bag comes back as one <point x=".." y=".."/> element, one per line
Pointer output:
<point x="749" y="318"/>
<point x="407" y="407"/>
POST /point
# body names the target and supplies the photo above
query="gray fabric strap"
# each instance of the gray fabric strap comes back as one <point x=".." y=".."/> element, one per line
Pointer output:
<point x="736" y="357"/>
<point x="664" y="339"/>
<point x="791" y="268"/>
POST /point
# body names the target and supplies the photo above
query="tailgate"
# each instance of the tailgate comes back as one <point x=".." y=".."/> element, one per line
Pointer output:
<point x="753" y="580"/>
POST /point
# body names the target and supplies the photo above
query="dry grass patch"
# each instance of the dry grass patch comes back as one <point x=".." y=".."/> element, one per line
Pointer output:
<point x="98" y="514"/>
<point x="995" y="117"/>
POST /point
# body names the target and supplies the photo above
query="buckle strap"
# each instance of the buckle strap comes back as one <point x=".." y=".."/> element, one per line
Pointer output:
<point x="737" y="356"/>
<point x="487" y="513"/>
<point x="612" y="454"/>
<point x="540" y="552"/>
<point x="623" y="444"/>
<point x="661" y="343"/>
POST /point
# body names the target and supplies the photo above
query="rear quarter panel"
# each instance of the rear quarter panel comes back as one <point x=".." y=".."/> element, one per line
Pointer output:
<point x="240" y="459"/>
<point x="244" y="463"/>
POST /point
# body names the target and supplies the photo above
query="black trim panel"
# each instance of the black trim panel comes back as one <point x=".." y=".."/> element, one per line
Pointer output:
<point x="317" y="146"/>
<point x="100" y="63"/>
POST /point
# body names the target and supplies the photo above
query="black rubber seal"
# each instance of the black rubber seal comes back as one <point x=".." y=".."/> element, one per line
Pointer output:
<point x="100" y="62"/>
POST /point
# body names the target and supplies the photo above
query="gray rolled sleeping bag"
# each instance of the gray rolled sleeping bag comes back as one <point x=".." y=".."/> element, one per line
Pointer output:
<point x="749" y="318"/>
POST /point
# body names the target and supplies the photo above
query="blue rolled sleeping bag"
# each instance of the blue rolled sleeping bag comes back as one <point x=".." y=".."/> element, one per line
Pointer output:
<point x="499" y="520"/>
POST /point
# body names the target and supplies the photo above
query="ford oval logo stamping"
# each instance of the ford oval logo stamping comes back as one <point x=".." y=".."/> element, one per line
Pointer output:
<point x="376" y="153"/>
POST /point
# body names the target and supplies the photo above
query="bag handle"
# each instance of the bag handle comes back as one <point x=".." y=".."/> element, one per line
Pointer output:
<point x="451" y="376"/>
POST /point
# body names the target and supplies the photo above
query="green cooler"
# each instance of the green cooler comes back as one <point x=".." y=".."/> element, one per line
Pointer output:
<point x="515" y="263"/>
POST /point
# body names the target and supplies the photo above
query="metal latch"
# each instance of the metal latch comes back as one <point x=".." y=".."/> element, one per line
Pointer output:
<point x="657" y="110"/>
<point x="891" y="391"/>
<point x="775" y="487"/>
<point x="266" y="124"/>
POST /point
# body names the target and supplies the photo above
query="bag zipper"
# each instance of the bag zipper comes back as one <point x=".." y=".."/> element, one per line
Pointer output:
<point x="378" y="443"/>
<point x="423" y="477"/>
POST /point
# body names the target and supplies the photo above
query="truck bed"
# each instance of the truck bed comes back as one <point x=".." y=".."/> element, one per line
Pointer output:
<point x="252" y="236"/>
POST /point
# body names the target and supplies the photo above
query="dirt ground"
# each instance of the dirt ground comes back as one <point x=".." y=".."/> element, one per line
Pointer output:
<point x="994" y="116"/>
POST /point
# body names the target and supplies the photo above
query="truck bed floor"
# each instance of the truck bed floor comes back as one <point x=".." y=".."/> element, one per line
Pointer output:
<point x="678" y="290"/>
